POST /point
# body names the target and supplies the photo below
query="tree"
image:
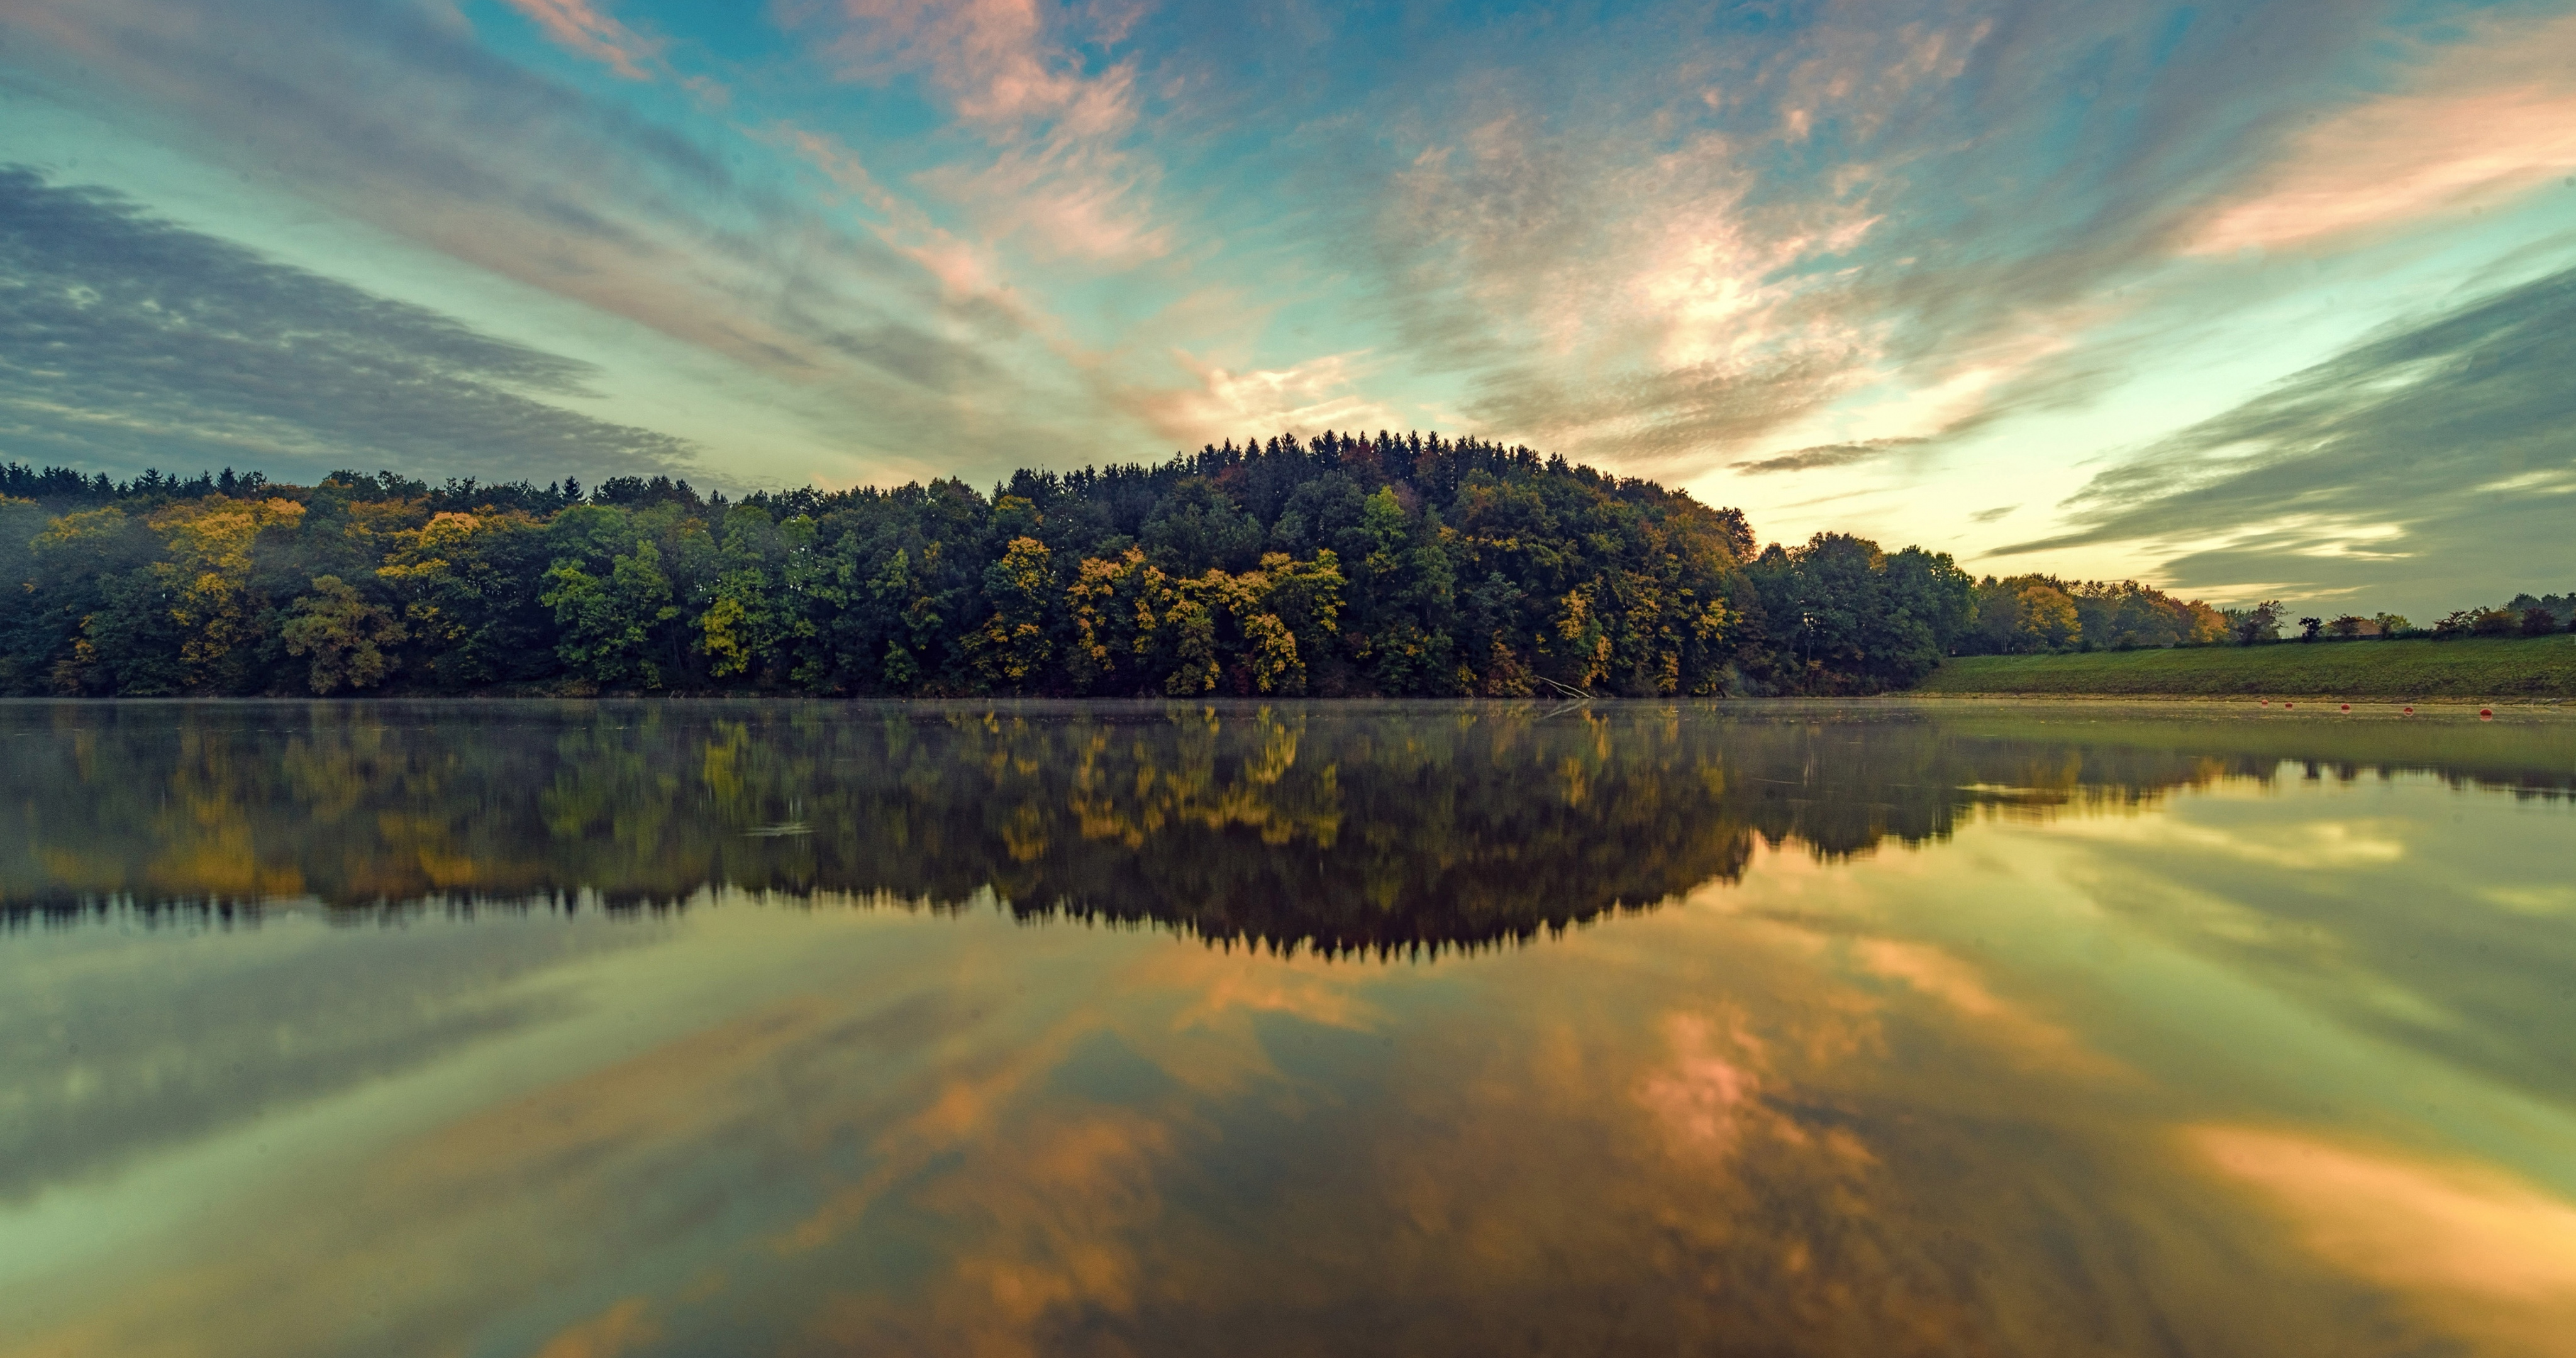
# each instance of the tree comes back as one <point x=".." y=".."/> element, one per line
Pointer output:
<point x="470" y="585"/>
<point x="1283" y="613"/>
<point x="2311" y="628"/>
<point x="1116" y="610"/>
<point x="2043" y="619"/>
<point x="1013" y="646"/>
<point x="2257" y="625"/>
<point x="750" y="620"/>
<point x="349" y="636"/>
<point x="1197" y="528"/>
<point x="1405" y="588"/>
<point x="1846" y="617"/>
<point x="607" y="623"/>
<point x="208" y="572"/>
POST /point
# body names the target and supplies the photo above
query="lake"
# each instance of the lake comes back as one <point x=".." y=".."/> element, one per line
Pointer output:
<point x="1873" y="1029"/>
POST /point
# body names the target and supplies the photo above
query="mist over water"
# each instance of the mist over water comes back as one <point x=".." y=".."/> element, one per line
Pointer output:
<point x="1404" y="1028"/>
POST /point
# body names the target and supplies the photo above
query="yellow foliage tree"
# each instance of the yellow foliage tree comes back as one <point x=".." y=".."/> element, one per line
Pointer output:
<point x="1013" y="644"/>
<point x="2045" y="618"/>
<point x="347" y="635"/>
<point x="208" y="543"/>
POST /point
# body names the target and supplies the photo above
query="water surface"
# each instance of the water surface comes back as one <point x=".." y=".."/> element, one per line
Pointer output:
<point x="497" y="1029"/>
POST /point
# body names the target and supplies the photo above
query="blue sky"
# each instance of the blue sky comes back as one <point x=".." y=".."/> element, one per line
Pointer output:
<point x="2245" y="299"/>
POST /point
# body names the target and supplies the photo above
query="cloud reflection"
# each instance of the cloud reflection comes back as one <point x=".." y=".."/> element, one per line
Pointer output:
<point x="1836" y="1102"/>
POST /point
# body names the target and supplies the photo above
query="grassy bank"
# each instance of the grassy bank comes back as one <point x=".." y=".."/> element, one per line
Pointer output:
<point x="2538" y="667"/>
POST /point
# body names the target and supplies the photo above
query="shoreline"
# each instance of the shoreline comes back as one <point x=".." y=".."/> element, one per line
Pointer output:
<point x="2276" y="704"/>
<point x="2292" y="704"/>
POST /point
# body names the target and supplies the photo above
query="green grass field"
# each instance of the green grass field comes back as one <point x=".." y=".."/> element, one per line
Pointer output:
<point x="2538" y="667"/>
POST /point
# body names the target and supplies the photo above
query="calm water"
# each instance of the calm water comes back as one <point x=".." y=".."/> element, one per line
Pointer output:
<point x="1871" y="1030"/>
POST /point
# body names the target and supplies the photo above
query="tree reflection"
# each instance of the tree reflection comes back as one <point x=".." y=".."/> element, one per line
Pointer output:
<point x="1343" y="829"/>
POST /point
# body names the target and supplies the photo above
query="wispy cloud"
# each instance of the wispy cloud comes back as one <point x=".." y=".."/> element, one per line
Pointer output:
<point x="1825" y="455"/>
<point x="1306" y="398"/>
<point x="1721" y="236"/>
<point x="2485" y="120"/>
<point x="400" y="120"/>
<point x="1062" y="179"/>
<point x="589" y="29"/>
<point x="128" y="340"/>
<point x="2431" y="463"/>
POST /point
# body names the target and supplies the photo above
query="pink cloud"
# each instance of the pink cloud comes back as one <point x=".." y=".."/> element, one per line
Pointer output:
<point x="2489" y="120"/>
<point x="582" y="27"/>
<point x="993" y="58"/>
<point x="1064" y="180"/>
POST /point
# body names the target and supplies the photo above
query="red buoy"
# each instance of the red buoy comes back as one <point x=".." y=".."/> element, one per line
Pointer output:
<point x="2347" y="707"/>
<point x="2486" y="714"/>
<point x="2410" y="711"/>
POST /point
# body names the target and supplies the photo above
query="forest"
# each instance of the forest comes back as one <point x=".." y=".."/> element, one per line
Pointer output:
<point x="1341" y="566"/>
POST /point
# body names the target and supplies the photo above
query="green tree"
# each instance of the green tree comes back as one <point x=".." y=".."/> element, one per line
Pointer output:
<point x="1405" y="599"/>
<point x="471" y="587"/>
<point x="751" y="621"/>
<point x="607" y="624"/>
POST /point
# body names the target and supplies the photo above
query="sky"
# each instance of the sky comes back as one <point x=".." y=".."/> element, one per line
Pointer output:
<point x="2247" y="300"/>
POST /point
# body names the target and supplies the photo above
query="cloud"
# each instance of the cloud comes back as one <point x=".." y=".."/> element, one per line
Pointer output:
<point x="2425" y="465"/>
<point x="398" y="120"/>
<point x="1834" y="455"/>
<point x="622" y="1328"/>
<point x="1661" y="241"/>
<point x="404" y="123"/>
<point x="1063" y="180"/>
<point x="2493" y="117"/>
<point x="1990" y="515"/>
<point x="1305" y="398"/>
<point x="993" y="58"/>
<point x="127" y="340"/>
<point x="585" y="28"/>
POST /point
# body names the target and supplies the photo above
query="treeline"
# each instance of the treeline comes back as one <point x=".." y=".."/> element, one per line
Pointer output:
<point x="2020" y="614"/>
<point x="1348" y="565"/>
<point x="2026" y="614"/>
<point x="2525" y="615"/>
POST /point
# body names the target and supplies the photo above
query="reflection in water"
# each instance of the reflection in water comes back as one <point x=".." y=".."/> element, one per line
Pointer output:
<point x="2174" y="1035"/>
<point x="1336" y="827"/>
